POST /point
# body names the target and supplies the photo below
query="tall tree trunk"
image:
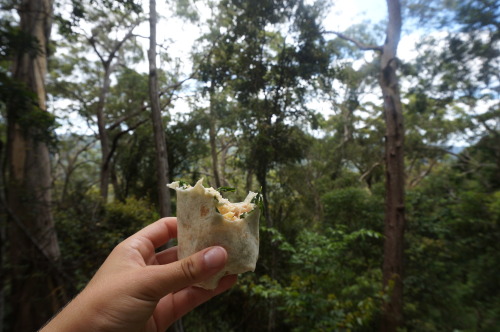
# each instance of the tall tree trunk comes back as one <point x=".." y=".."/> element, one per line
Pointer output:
<point x="249" y="180"/>
<point x="103" y="133"/>
<point x="162" y="169"/>
<point x="394" y="159"/>
<point x="3" y="237"/>
<point x="34" y="249"/>
<point x="159" y="134"/>
<point x="116" y="185"/>
<point x="262" y="178"/>
<point x="212" y="134"/>
<point x="222" y="164"/>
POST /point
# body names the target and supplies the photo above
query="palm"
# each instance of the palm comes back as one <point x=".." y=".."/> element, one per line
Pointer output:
<point x="136" y="262"/>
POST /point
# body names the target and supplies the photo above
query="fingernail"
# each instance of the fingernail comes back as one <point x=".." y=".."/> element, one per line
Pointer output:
<point x="215" y="257"/>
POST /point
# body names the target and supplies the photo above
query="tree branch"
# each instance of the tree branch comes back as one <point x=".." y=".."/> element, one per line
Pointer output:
<point x="487" y="127"/>
<point x="116" y="47"/>
<point x="92" y="43"/>
<point x="124" y="39"/>
<point x="466" y="159"/>
<point x="118" y="136"/>
<point x="84" y="148"/>
<point x="126" y="117"/>
<point x="227" y="145"/>
<point x="357" y="43"/>
<point x="368" y="172"/>
<point x="173" y="87"/>
<point x="414" y="182"/>
<point x="140" y="36"/>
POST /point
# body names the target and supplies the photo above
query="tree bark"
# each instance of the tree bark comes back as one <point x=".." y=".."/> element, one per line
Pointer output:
<point x="212" y="133"/>
<point x="103" y="132"/>
<point x="159" y="133"/>
<point x="162" y="169"/>
<point x="249" y="180"/>
<point x="394" y="225"/>
<point x="34" y="249"/>
<point x="222" y="163"/>
<point x="392" y="316"/>
<point x="3" y="238"/>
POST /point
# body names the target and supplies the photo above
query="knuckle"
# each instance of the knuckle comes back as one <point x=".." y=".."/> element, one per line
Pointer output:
<point x="188" y="269"/>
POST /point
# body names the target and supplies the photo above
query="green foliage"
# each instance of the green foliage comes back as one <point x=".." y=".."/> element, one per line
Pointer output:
<point x="187" y="146"/>
<point x="187" y="10"/>
<point x="13" y="41"/>
<point x="27" y="113"/>
<point x="226" y="189"/>
<point x="123" y="219"/>
<point x="353" y="207"/>
<point x="80" y="239"/>
<point x="267" y="75"/>
<point x="39" y="122"/>
<point x="22" y="102"/>
<point x="88" y="233"/>
<point x="322" y="290"/>
<point x="453" y="241"/>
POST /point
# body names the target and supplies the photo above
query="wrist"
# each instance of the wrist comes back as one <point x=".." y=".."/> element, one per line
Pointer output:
<point x="75" y="316"/>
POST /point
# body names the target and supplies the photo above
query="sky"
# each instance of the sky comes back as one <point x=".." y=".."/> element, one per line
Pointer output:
<point x="179" y="36"/>
<point x="346" y="12"/>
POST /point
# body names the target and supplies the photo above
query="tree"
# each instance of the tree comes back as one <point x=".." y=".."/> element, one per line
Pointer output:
<point x="470" y="64"/>
<point x="68" y="161"/>
<point x="34" y="250"/>
<point x="107" y="58"/>
<point x="266" y="73"/>
<point x="394" y="166"/>
<point x="162" y="169"/>
<point x="107" y="35"/>
<point x="395" y="174"/>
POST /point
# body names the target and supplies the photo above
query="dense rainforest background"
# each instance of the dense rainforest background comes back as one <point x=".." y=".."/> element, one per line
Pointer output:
<point x="380" y="173"/>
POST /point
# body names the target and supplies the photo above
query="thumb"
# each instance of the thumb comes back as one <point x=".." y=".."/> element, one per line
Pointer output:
<point x="188" y="271"/>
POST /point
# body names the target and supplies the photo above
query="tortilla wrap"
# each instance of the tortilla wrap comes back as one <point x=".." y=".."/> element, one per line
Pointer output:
<point x="205" y="218"/>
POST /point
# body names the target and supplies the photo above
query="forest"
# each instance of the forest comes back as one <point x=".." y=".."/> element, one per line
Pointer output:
<point x="378" y="159"/>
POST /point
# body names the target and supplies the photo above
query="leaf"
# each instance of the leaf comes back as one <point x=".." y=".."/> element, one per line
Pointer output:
<point x="226" y="189"/>
<point x="183" y="184"/>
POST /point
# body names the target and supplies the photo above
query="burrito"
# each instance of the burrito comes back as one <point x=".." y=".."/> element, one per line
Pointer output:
<point x="205" y="218"/>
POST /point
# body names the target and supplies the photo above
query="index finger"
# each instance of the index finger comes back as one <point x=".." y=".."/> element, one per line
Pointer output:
<point x="159" y="232"/>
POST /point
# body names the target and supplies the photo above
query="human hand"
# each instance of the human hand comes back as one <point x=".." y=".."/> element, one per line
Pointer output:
<point x="137" y="289"/>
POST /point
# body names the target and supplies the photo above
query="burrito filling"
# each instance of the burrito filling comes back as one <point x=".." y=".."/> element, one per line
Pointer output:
<point x="230" y="211"/>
